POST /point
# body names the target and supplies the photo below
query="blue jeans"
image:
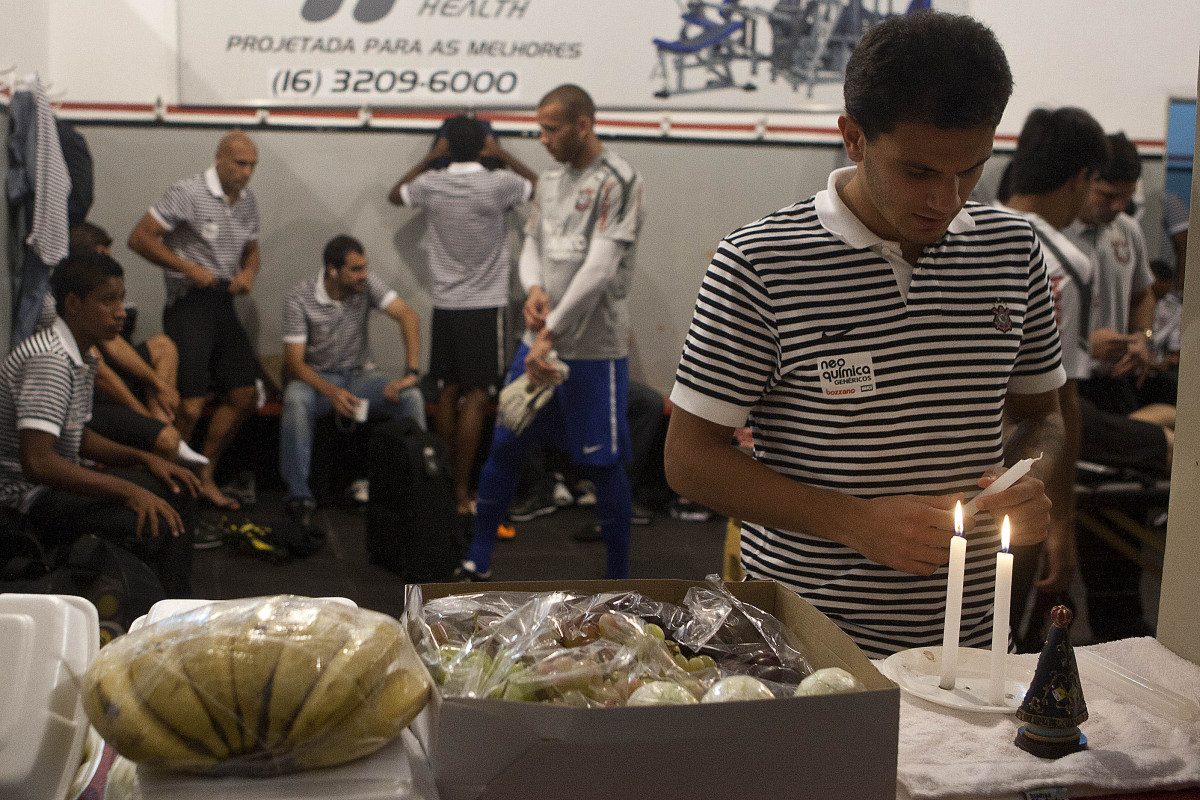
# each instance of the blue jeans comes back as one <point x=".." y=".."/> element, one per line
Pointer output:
<point x="303" y="405"/>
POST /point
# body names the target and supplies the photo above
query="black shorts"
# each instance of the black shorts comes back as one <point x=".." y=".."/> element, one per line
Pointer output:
<point x="1118" y="441"/>
<point x="467" y="347"/>
<point x="125" y="426"/>
<point x="214" y="350"/>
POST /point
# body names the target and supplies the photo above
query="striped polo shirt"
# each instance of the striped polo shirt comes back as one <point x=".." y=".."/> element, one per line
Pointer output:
<point x="801" y="330"/>
<point x="203" y="228"/>
<point x="467" y="234"/>
<point x="333" y="332"/>
<point x="45" y="385"/>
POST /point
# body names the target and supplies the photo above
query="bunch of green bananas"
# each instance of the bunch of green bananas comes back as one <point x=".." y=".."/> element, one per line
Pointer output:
<point x="258" y="687"/>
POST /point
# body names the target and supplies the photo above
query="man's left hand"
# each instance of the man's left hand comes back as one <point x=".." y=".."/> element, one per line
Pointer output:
<point x="1025" y="503"/>
<point x="242" y="283"/>
<point x="540" y="371"/>
<point x="1137" y="357"/>
<point x="392" y="391"/>
<point x="172" y="475"/>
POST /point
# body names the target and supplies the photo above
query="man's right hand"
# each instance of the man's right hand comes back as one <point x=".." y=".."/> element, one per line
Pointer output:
<point x="344" y="402"/>
<point x="201" y="278"/>
<point x="537" y="308"/>
<point x="909" y="533"/>
<point x="149" y="507"/>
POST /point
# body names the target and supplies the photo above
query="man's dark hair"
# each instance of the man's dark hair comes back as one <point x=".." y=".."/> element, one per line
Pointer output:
<point x="1053" y="147"/>
<point x="927" y="68"/>
<point x="574" y="100"/>
<point x="88" y="237"/>
<point x="465" y="137"/>
<point x="1124" y="163"/>
<point x="80" y="273"/>
<point x="339" y="247"/>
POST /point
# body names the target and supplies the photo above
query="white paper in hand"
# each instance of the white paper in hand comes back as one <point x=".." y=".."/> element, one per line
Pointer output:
<point x="520" y="401"/>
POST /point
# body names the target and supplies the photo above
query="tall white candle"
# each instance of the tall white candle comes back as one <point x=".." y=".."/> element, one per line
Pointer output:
<point x="954" y="595"/>
<point x="1004" y="568"/>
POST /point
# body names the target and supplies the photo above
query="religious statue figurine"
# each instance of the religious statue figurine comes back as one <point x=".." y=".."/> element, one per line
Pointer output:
<point x="1054" y="706"/>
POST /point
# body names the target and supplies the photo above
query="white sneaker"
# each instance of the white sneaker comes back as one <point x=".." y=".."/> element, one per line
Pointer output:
<point x="560" y="494"/>
<point x="585" y="493"/>
<point x="360" y="490"/>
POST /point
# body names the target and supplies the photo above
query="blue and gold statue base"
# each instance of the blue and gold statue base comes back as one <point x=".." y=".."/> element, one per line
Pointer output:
<point x="1054" y="705"/>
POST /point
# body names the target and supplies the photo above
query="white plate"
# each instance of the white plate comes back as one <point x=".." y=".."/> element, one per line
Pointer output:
<point x="93" y="754"/>
<point x="919" y="670"/>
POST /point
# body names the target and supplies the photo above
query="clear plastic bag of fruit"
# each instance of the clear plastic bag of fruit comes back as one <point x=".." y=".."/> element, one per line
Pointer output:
<point x="597" y="650"/>
<point x="262" y="686"/>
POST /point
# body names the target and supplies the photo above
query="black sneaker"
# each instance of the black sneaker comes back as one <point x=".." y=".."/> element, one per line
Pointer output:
<point x="249" y="537"/>
<point x="208" y="534"/>
<point x="588" y="533"/>
<point x="466" y="573"/>
<point x="641" y="515"/>
<point x="532" y="507"/>
<point x="687" y="511"/>
<point x="300" y="510"/>
<point x="242" y="488"/>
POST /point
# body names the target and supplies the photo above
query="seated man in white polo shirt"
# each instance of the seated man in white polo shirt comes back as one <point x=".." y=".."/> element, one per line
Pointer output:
<point x="327" y="360"/>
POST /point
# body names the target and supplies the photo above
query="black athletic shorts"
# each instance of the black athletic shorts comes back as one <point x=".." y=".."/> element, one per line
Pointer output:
<point x="125" y="426"/>
<point x="214" y="350"/>
<point x="467" y="347"/>
<point x="1118" y="441"/>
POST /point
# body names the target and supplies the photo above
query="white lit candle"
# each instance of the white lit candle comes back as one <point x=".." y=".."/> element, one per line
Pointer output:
<point x="954" y="594"/>
<point x="1004" y="568"/>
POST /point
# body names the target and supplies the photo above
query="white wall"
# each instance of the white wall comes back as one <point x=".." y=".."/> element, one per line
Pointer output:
<point x="313" y="185"/>
<point x="1120" y="60"/>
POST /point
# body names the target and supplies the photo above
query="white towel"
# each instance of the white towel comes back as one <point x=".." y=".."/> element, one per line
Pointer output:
<point x="949" y="754"/>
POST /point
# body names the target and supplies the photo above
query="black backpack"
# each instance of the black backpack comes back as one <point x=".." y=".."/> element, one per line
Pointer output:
<point x="413" y="528"/>
<point x="118" y="584"/>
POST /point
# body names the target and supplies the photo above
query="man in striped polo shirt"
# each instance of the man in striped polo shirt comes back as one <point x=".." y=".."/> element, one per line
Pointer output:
<point x="874" y="337"/>
<point x="576" y="267"/>
<point x="466" y="207"/>
<point x="203" y="232"/>
<point x="139" y="500"/>
<point x="328" y="360"/>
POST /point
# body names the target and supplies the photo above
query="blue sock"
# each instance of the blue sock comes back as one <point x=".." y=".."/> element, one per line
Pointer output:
<point x="497" y="485"/>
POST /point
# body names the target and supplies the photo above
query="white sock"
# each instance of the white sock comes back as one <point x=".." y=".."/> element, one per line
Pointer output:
<point x="189" y="457"/>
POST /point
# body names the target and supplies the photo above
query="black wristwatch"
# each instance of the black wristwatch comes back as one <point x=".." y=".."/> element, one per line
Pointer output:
<point x="412" y="371"/>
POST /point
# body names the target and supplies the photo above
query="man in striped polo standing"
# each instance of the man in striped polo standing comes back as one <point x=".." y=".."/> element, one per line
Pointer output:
<point x="466" y="207"/>
<point x="873" y="337"/>
<point x="327" y="359"/>
<point x="576" y="267"/>
<point x="138" y="500"/>
<point x="203" y="232"/>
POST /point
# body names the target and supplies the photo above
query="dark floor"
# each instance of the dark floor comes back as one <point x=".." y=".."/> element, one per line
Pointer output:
<point x="542" y="550"/>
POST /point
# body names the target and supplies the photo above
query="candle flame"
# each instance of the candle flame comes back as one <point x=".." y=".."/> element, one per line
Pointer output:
<point x="1005" y="534"/>
<point x="958" y="521"/>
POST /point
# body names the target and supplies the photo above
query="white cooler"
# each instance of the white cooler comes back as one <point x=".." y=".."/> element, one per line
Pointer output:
<point x="48" y="751"/>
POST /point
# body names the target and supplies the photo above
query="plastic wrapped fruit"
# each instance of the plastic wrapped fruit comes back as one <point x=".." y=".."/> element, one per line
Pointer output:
<point x="830" y="680"/>
<point x="661" y="693"/>
<point x="256" y="687"/>
<point x="737" y="687"/>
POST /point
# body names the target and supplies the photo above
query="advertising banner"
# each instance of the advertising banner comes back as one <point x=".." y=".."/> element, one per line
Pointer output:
<point x="730" y="55"/>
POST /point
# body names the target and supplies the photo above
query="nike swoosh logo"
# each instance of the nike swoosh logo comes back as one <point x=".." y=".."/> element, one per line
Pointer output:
<point x="591" y="449"/>
<point x="836" y="333"/>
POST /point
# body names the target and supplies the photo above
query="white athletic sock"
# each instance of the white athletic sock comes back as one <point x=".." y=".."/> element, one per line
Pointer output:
<point x="189" y="457"/>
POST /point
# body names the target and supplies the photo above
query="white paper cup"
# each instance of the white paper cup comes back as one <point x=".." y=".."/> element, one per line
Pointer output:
<point x="360" y="413"/>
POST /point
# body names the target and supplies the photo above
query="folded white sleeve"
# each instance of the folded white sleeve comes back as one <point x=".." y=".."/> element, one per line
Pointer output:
<point x="581" y="296"/>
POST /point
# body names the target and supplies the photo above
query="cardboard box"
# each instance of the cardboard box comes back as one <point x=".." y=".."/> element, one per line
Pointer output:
<point x="803" y="748"/>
